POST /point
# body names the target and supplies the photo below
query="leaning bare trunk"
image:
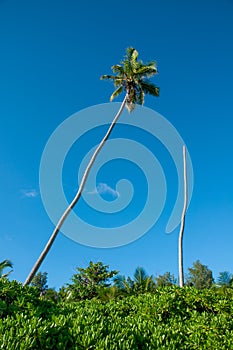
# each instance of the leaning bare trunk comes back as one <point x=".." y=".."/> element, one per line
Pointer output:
<point x="76" y="198"/>
<point x="181" y="268"/>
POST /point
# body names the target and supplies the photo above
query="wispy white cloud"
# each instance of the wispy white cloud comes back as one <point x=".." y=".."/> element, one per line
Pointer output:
<point x="31" y="193"/>
<point x="103" y="188"/>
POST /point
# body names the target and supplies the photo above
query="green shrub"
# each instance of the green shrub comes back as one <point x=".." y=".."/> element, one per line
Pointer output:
<point x="171" y="318"/>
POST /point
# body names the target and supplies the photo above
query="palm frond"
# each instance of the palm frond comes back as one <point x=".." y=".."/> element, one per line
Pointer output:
<point x="117" y="92"/>
<point x="149" y="88"/>
<point x="134" y="55"/>
<point x="148" y="64"/>
<point x="140" y="275"/>
<point x="122" y="283"/>
<point x="133" y="60"/>
<point x="107" y="76"/>
<point x="131" y="52"/>
<point x="4" y="264"/>
<point x="118" y="69"/>
<point x="130" y="61"/>
<point x="146" y="71"/>
<point x="118" y="81"/>
<point x="127" y="68"/>
<point x="140" y="97"/>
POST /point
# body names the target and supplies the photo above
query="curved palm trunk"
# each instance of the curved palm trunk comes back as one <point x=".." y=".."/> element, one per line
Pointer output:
<point x="181" y="267"/>
<point x="76" y="198"/>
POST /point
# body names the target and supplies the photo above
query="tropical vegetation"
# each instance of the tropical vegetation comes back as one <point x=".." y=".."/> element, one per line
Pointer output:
<point x="100" y="309"/>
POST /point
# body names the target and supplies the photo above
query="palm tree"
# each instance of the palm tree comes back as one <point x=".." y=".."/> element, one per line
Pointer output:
<point x="123" y="284"/>
<point x="4" y="264"/>
<point x="141" y="282"/>
<point x="132" y="77"/>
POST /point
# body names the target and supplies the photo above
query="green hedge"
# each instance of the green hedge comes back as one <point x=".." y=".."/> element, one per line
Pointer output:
<point x="171" y="319"/>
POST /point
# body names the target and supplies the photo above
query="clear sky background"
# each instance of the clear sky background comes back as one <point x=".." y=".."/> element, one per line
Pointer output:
<point x="52" y="55"/>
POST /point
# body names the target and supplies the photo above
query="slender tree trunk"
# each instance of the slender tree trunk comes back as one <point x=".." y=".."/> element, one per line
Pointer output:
<point x="182" y="224"/>
<point x="76" y="198"/>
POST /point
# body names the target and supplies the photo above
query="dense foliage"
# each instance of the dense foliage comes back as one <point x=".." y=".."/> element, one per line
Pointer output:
<point x="167" y="318"/>
<point x="200" y="276"/>
<point x="89" y="282"/>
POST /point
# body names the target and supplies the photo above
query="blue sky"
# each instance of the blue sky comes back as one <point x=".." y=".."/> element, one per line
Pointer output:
<point x="52" y="55"/>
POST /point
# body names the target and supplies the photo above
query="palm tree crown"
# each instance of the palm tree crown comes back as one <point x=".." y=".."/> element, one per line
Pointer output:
<point x="133" y="76"/>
